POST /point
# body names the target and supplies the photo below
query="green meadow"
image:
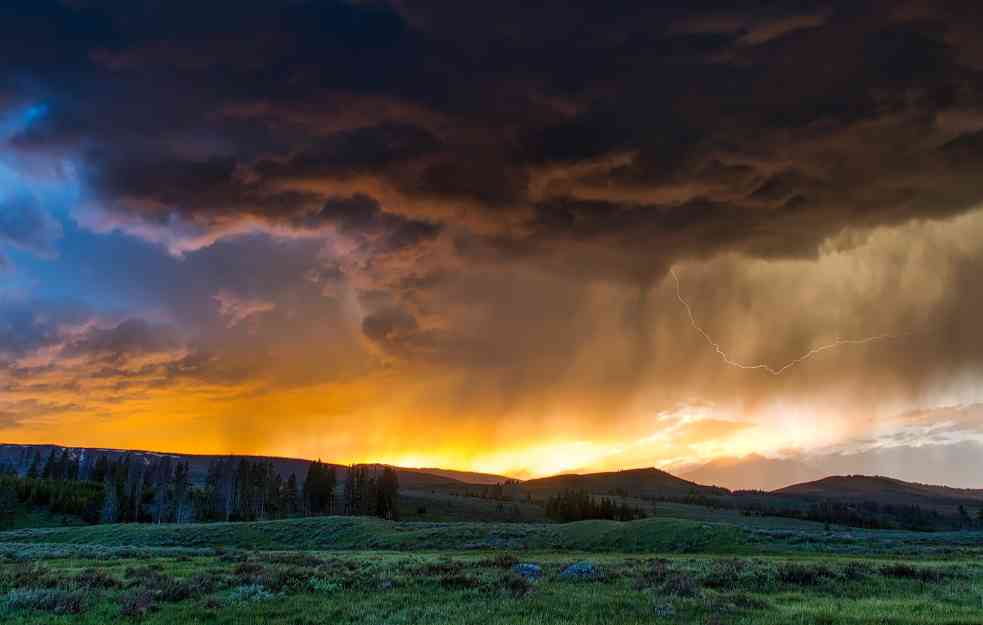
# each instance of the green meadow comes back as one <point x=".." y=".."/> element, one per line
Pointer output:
<point x="360" y="570"/>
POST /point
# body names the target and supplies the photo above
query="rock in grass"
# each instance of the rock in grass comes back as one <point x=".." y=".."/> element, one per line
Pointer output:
<point x="580" y="570"/>
<point x="528" y="570"/>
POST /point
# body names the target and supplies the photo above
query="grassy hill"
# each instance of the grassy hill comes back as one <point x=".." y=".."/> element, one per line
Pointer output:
<point x="469" y="477"/>
<point x="347" y="533"/>
<point x="649" y="482"/>
<point x="883" y="490"/>
<point x="653" y="535"/>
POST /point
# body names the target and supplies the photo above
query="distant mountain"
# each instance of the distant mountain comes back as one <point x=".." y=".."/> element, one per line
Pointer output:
<point x="752" y="472"/>
<point x="956" y="464"/>
<point x="884" y="490"/>
<point x="468" y="477"/>
<point x="635" y="482"/>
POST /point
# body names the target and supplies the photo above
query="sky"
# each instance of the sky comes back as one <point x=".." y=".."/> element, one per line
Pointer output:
<point x="523" y="240"/>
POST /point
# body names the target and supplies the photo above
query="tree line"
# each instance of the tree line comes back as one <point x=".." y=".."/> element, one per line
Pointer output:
<point x="135" y="488"/>
<point x="579" y="505"/>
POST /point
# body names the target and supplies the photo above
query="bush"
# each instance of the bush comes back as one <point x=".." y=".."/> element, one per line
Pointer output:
<point x="725" y="574"/>
<point x="444" y="567"/>
<point x="94" y="579"/>
<point x="654" y="575"/>
<point x="249" y="593"/>
<point x="55" y="601"/>
<point x="246" y="569"/>
<point x="292" y="579"/>
<point x="140" y="573"/>
<point x="907" y="571"/>
<point x="25" y="575"/>
<point x="327" y="586"/>
<point x="857" y="570"/>
<point x="681" y="584"/>
<point x="804" y="574"/>
<point x="500" y="561"/>
<point x="137" y="604"/>
<point x="295" y="559"/>
<point x="516" y="585"/>
<point x="457" y="581"/>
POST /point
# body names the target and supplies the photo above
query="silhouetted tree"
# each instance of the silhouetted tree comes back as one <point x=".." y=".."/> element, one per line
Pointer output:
<point x="387" y="495"/>
<point x="319" y="487"/>
<point x="34" y="470"/>
<point x="49" y="465"/>
<point x="291" y="496"/>
<point x="8" y="502"/>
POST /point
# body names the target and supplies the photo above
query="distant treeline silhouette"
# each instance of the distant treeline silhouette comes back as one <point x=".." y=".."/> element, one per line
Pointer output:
<point x="135" y="489"/>
<point x="580" y="505"/>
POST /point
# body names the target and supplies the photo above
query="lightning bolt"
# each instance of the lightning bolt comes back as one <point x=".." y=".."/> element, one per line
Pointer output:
<point x="764" y="367"/>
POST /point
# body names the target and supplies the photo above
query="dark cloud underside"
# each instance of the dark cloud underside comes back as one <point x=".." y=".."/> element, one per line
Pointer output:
<point x="487" y="199"/>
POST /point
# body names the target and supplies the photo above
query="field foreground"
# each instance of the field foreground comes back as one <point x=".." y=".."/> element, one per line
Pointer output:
<point x="345" y="570"/>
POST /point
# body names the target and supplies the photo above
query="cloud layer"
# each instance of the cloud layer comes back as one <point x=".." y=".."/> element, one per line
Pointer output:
<point x="453" y="224"/>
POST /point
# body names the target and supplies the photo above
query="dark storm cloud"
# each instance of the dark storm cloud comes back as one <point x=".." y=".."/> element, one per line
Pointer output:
<point x="543" y="128"/>
<point x="606" y="140"/>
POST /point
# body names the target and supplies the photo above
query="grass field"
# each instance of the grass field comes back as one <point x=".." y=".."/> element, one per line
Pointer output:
<point x="357" y="570"/>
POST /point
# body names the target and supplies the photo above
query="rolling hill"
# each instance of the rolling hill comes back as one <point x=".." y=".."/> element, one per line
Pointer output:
<point x="468" y="477"/>
<point x="884" y="491"/>
<point x="649" y="482"/>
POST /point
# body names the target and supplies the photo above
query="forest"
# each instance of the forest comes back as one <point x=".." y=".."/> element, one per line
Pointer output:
<point x="135" y="489"/>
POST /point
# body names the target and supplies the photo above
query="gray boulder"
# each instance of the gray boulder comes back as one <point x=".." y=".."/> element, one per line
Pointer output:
<point x="528" y="570"/>
<point x="580" y="570"/>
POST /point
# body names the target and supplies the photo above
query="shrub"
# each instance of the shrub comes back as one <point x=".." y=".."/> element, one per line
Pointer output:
<point x="319" y="584"/>
<point x="907" y="571"/>
<point x="656" y="573"/>
<point x="249" y="593"/>
<point x="137" y="574"/>
<point x="725" y="574"/>
<point x="137" y="604"/>
<point x="681" y="584"/>
<point x="246" y="569"/>
<point x="94" y="579"/>
<point x="47" y="600"/>
<point x="456" y="581"/>
<point x="856" y="570"/>
<point x="516" y="585"/>
<point x="24" y="575"/>
<point x="500" y="561"/>
<point x="232" y="556"/>
<point x="738" y="600"/>
<point x="292" y="579"/>
<point x="444" y="567"/>
<point x="295" y="559"/>
<point x="804" y="574"/>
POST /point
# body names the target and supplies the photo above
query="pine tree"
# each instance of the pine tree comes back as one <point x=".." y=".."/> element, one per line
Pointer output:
<point x="71" y="469"/>
<point x="291" y="496"/>
<point x="8" y="501"/>
<point x="101" y="469"/>
<point x="49" y="466"/>
<point x="387" y="495"/>
<point x="183" y="508"/>
<point x="58" y="472"/>
<point x="34" y="469"/>
<point x="319" y="487"/>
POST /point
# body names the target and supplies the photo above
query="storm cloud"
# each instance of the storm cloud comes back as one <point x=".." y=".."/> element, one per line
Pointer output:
<point x="475" y="208"/>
